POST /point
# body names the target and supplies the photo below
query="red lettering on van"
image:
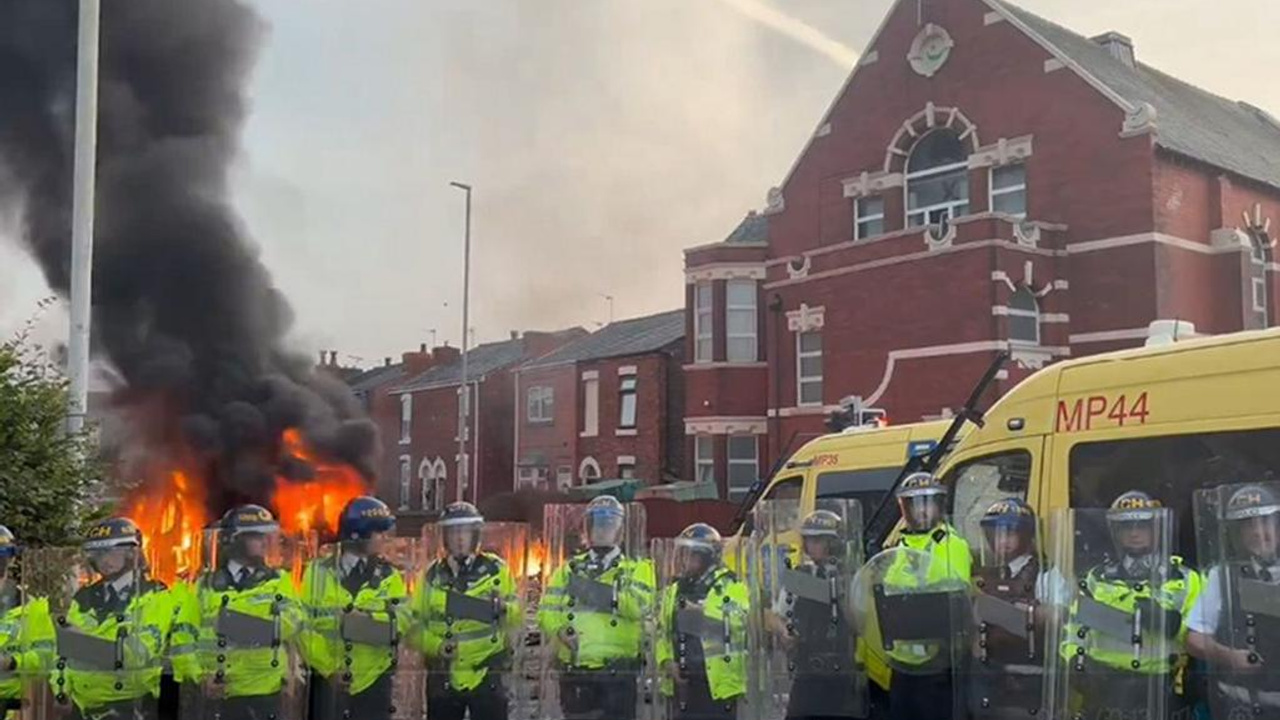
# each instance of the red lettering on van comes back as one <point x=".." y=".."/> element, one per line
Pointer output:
<point x="1069" y="420"/>
<point x="1084" y="413"/>
<point x="1097" y="405"/>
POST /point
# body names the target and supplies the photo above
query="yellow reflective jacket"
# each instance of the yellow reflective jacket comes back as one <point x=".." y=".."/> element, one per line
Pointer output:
<point x="1157" y="656"/>
<point x="467" y="648"/>
<point x="950" y="567"/>
<point x="606" y="633"/>
<point x="199" y="653"/>
<point x="380" y="592"/>
<point x="26" y="635"/>
<point x="724" y="645"/>
<point x="140" y="629"/>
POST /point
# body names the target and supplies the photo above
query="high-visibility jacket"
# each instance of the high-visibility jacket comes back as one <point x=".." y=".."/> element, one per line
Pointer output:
<point x="725" y="605"/>
<point x="26" y="635"/>
<point x="1110" y="586"/>
<point x="380" y="591"/>
<point x="466" y="648"/>
<point x="949" y="568"/>
<point x="199" y="654"/>
<point x="605" y="633"/>
<point x="141" y="626"/>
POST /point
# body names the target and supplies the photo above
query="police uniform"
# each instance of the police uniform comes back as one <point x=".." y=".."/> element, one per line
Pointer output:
<point x="354" y="679"/>
<point x="26" y="630"/>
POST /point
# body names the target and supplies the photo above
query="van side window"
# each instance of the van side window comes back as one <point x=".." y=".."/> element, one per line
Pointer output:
<point x="979" y="483"/>
<point x="1171" y="469"/>
<point x="868" y="486"/>
<point x="786" y="489"/>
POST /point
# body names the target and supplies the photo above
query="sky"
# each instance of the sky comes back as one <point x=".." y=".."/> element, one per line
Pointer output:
<point x="602" y="137"/>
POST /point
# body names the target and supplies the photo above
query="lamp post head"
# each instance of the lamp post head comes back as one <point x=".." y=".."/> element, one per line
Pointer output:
<point x="461" y="186"/>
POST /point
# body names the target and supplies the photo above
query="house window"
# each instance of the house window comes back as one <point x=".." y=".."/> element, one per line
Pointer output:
<point x="626" y="471"/>
<point x="744" y="467"/>
<point x="406" y="418"/>
<point x="541" y="404"/>
<point x="589" y="471"/>
<point x="406" y="481"/>
<point x="740" y="320"/>
<point x="427" y="480"/>
<point x="1024" y="317"/>
<point x="1260" y="295"/>
<point x="937" y="179"/>
<point x="627" y="401"/>
<point x="1009" y="190"/>
<point x="564" y="477"/>
<point x="440" y="485"/>
<point x="1261" y="280"/>
<point x="703" y="348"/>
<point x="590" y="407"/>
<point x="870" y="217"/>
<point x="704" y="453"/>
<point x="809" y="367"/>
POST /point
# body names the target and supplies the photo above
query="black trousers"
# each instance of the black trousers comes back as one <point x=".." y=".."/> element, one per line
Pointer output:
<point x="921" y="697"/>
<point x="693" y="701"/>
<point x="487" y="701"/>
<point x="604" y="693"/>
<point x="141" y="709"/>
<point x="330" y="702"/>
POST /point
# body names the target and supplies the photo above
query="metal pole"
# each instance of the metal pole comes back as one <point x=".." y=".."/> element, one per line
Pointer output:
<point x="464" y="394"/>
<point x="82" y="213"/>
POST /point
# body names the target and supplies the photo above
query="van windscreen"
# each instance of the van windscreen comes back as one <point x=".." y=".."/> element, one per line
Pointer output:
<point x="866" y="486"/>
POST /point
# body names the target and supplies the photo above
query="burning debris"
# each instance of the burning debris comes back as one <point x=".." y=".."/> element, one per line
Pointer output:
<point x="219" y="410"/>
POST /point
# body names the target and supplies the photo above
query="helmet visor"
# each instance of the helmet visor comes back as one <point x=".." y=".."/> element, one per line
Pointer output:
<point x="921" y="512"/>
<point x="1258" y="537"/>
<point x="604" y="528"/>
<point x="463" y="539"/>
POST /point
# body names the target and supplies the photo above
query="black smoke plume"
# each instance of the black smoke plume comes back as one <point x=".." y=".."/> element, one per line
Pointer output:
<point x="183" y="308"/>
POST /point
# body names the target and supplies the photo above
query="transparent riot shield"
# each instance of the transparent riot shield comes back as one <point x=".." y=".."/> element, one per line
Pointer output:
<point x="1114" y="645"/>
<point x="804" y="651"/>
<point x="702" y="629"/>
<point x="236" y="643"/>
<point x="103" y="642"/>
<point x="472" y="618"/>
<point x="597" y="595"/>
<point x="1000" y="673"/>
<point x="16" y="636"/>
<point x="1238" y="612"/>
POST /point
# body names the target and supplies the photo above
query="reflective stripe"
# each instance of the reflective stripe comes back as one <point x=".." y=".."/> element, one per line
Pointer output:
<point x="183" y="649"/>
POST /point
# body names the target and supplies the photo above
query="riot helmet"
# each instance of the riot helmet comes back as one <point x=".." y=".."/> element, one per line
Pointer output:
<point x="9" y="549"/>
<point x="922" y="499"/>
<point x="1009" y="529"/>
<point x="698" y="550"/>
<point x="822" y="534"/>
<point x="363" y="525"/>
<point x="1133" y="520"/>
<point x="461" y="524"/>
<point x="1253" y="516"/>
<point x="602" y="523"/>
<point x="111" y="546"/>
<point x="244" y="532"/>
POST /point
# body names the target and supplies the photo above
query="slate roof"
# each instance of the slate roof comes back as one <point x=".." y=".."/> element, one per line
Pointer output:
<point x="619" y="339"/>
<point x="376" y="377"/>
<point x="1189" y="121"/>
<point x="481" y="360"/>
<point x="754" y="228"/>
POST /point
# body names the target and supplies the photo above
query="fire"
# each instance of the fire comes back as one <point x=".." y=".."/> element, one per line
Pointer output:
<point x="172" y="518"/>
<point x="314" y="505"/>
<point x="537" y="557"/>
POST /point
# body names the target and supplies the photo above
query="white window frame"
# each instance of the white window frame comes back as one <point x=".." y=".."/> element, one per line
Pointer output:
<point x="1019" y="312"/>
<point x="406" y="418"/>
<point x="623" y="467"/>
<point x="406" y="481"/>
<point x="801" y="378"/>
<point x="954" y="208"/>
<point x="441" y="484"/>
<point x="704" y="323"/>
<point x="589" y="463"/>
<point x="860" y="219"/>
<point x="540" y="404"/>
<point x="735" y="492"/>
<point x="427" y="476"/>
<point x="634" y="406"/>
<point x="753" y="309"/>
<point x="1260" y="294"/>
<point x="590" y="406"/>
<point x="699" y="462"/>
<point x="1012" y="189"/>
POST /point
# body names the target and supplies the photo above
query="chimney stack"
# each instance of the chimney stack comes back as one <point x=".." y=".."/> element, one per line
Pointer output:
<point x="386" y="361"/>
<point x="333" y="358"/>
<point x="1119" y="46"/>
<point x="515" y="334"/>
<point x="322" y="356"/>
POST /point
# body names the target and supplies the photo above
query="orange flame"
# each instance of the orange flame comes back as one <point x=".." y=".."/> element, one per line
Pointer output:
<point x="535" y="560"/>
<point x="314" y="505"/>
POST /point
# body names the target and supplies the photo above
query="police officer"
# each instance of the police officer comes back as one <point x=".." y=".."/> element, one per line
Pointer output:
<point x="124" y="606"/>
<point x="702" y="637"/>
<point x="354" y="672"/>
<point x="924" y="690"/>
<point x="26" y="630"/>
<point x="599" y="641"/>
<point x="1241" y="646"/>
<point x="468" y="616"/>
<point x="821" y="642"/>
<point x="230" y="674"/>
<point x="1139" y="580"/>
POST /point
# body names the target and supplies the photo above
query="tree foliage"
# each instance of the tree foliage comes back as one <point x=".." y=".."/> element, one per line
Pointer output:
<point x="46" y="475"/>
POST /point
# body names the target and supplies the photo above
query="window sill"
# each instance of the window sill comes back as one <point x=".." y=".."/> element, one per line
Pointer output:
<point x="626" y="432"/>
<point x="405" y="441"/>
<point x="585" y="434"/>
<point x="540" y="423"/>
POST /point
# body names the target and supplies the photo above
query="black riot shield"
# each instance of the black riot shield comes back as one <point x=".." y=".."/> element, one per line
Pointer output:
<point x="1115" y="646"/>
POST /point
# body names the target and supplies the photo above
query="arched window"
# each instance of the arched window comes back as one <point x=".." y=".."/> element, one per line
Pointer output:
<point x="1260" y="277"/>
<point x="427" y="478"/>
<point x="1024" y="317"/>
<point x="588" y="470"/>
<point x="440" y="485"/>
<point x="937" y="179"/>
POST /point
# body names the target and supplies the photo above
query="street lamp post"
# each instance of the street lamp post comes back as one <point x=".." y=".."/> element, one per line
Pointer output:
<point x="464" y="394"/>
<point x="609" y="299"/>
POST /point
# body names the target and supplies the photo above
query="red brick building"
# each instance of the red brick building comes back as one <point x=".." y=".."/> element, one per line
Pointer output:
<point x="985" y="180"/>
<point x="415" y="405"/>
<point x="606" y="406"/>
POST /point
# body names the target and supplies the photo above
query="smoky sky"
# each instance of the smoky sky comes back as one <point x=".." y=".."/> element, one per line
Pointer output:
<point x="185" y="312"/>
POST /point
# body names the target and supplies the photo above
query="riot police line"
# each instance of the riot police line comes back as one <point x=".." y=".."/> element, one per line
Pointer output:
<point x="1088" y="614"/>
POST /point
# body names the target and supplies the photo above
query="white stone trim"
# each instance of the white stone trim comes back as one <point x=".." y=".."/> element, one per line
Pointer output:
<point x="931" y="114"/>
<point x="1061" y="284"/>
<point x="869" y="57"/>
<point x="1142" y="239"/>
<point x="891" y="362"/>
<point x="628" y="370"/>
<point x="803" y="411"/>
<point x="591" y="462"/>
<point x="724" y="271"/>
<point x="806" y="319"/>
<point x="940" y="242"/>
<point x="726" y="426"/>
<point x="1004" y="151"/>
<point x="1139" y="121"/>
<point x="1055" y="318"/>
<point x="999" y="310"/>
<point x="590" y="375"/>
<point x="724" y="365"/>
<point x="626" y="459"/>
<point x="1002" y="277"/>
<point x="802" y="270"/>
<point x="1109" y="336"/>
<point x="1053" y="65"/>
<point x="992" y="18"/>
<point x="626" y="432"/>
<point x="1032" y="357"/>
<point x="1230" y="239"/>
<point x="868" y="183"/>
<point x="823" y="130"/>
